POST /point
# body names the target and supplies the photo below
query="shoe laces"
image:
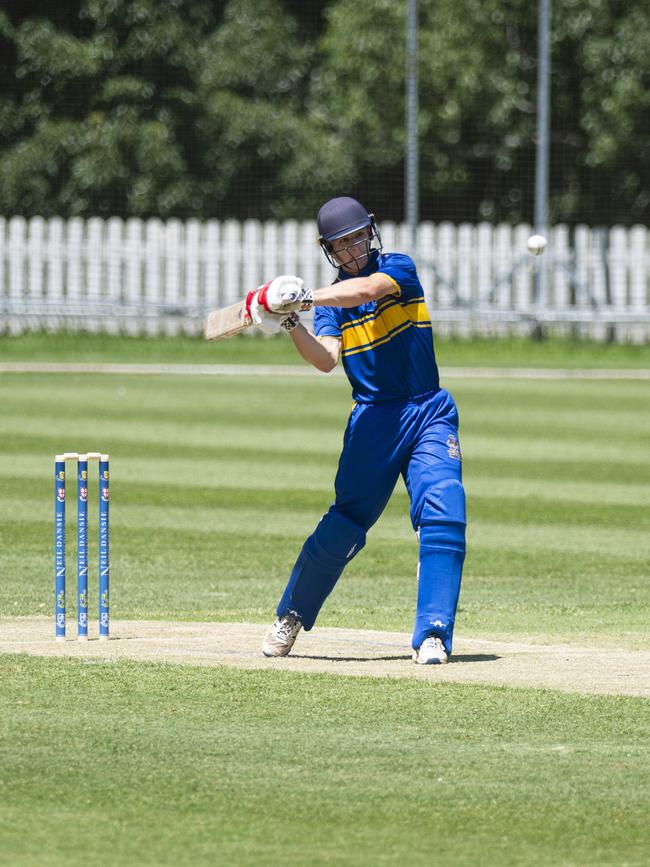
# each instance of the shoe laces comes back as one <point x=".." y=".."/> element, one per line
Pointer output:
<point x="286" y="626"/>
<point x="433" y="641"/>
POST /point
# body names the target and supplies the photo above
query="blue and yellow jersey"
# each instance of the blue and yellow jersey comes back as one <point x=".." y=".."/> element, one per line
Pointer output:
<point x="386" y="345"/>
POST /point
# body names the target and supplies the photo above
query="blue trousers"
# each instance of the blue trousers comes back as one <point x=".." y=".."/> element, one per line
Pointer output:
<point x="419" y="440"/>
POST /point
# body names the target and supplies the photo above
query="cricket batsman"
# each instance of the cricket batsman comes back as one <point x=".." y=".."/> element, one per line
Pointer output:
<point x="373" y="317"/>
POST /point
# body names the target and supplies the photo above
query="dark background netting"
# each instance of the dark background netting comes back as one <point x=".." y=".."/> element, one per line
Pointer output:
<point x="264" y="108"/>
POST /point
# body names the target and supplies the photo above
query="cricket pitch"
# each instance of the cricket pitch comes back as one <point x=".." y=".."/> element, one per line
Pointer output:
<point x="347" y="652"/>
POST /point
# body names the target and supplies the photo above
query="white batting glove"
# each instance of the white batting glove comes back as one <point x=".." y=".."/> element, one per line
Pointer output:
<point x="275" y="323"/>
<point x="265" y="320"/>
<point x="285" y="294"/>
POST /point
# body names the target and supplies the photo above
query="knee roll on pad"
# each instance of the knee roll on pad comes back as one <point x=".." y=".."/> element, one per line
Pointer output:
<point x="442" y="523"/>
<point x="445" y="502"/>
<point x="448" y="535"/>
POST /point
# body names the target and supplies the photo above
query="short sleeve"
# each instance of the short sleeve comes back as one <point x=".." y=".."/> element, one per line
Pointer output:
<point x="401" y="269"/>
<point x="327" y="322"/>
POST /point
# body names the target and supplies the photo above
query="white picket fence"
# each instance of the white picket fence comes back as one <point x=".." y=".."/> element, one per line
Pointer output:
<point x="162" y="277"/>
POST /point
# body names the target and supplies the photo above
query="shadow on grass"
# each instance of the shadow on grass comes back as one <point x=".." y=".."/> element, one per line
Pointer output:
<point x="475" y="657"/>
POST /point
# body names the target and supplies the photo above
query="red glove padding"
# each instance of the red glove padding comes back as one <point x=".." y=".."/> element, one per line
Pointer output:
<point x="284" y="294"/>
<point x="251" y="304"/>
<point x="262" y="299"/>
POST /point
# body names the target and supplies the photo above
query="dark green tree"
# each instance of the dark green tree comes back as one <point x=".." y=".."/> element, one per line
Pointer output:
<point x="478" y="66"/>
<point x="101" y="121"/>
<point x="266" y="107"/>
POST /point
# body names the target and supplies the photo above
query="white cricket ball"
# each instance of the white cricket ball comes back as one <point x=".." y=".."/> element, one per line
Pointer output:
<point x="536" y="244"/>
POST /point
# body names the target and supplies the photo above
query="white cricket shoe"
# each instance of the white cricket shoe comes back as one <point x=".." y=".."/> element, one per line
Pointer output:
<point x="431" y="652"/>
<point x="281" y="636"/>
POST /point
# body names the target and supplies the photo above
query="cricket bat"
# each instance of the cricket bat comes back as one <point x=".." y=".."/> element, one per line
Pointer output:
<point x="227" y="321"/>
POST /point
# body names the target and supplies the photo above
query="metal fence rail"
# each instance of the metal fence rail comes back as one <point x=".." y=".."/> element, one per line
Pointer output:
<point x="162" y="277"/>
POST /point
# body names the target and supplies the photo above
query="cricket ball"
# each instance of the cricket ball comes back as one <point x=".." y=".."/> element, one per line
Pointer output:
<point x="536" y="244"/>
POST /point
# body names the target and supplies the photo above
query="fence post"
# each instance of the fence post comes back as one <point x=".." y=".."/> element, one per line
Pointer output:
<point x="17" y="256"/>
<point x="133" y="270"/>
<point x="211" y="255"/>
<point x="54" y="261"/>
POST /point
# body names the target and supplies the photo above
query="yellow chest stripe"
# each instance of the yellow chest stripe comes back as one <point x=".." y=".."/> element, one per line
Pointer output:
<point x="390" y="321"/>
<point x="388" y="301"/>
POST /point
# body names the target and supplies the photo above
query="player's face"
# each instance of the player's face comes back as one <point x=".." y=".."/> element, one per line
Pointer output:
<point x="352" y="251"/>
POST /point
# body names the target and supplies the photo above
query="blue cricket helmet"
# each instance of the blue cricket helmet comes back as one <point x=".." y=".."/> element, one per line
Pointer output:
<point x="341" y="216"/>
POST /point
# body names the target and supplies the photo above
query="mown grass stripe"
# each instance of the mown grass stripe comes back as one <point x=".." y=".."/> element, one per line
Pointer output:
<point x="182" y="760"/>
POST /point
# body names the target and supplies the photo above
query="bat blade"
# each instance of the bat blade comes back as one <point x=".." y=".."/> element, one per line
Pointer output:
<point x="227" y="321"/>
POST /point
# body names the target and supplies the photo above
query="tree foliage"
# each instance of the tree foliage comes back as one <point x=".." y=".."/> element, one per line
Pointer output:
<point x="267" y="107"/>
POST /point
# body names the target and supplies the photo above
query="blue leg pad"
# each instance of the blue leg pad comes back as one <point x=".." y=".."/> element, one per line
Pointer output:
<point x="442" y="553"/>
<point x="324" y="555"/>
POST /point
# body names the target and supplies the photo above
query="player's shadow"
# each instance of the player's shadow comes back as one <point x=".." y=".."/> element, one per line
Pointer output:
<point x="474" y="657"/>
<point x="325" y="658"/>
<point x="462" y="657"/>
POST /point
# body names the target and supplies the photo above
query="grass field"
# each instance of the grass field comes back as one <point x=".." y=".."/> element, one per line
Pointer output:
<point x="215" y="482"/>
<point x="492" y="352"/>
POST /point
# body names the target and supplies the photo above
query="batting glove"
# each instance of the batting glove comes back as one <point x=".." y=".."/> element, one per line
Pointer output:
<point x="292" y="321"/>
<point x="285" y="294"/>
<point x="265" y="320"/>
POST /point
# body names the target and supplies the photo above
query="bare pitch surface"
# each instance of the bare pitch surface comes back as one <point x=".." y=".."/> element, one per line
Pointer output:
<point x="597" y="670"/>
